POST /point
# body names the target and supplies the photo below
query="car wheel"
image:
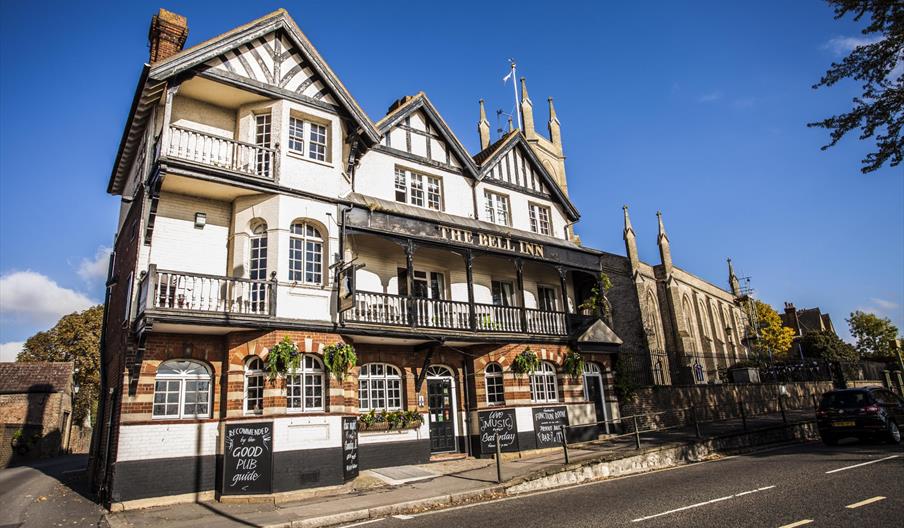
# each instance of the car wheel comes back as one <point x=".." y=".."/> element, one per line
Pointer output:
<point x="894" y="434"/>
<point x="829" y="440"/>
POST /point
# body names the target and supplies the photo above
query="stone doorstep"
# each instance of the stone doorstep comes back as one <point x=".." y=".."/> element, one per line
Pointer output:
<point x="577" y="473"/>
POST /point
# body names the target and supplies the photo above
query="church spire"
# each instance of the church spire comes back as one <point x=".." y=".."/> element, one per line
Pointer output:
<point x="483" y="128"/>
<point x="555" y="132"/>
<point x="665" y="250"/>
<point x="630" y="241"/>
<point x="527" y="111"/>
<point x="733" y="280"/>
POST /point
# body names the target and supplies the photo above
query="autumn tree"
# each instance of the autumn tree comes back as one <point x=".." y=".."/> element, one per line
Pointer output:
<point x="76" y="338"/>
<point x="772" y="336"/>
<point x="876" y="63"/>
<point x="875" y="335"/>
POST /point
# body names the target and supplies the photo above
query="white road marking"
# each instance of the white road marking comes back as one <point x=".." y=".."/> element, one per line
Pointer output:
<point x="861" y="465"/>
<point x="798" y="523"/>
<point x="720" y="499"/>
<point x="362" y="523"/>
<point x="404" y="517"/>
<point x="864" y="502"/>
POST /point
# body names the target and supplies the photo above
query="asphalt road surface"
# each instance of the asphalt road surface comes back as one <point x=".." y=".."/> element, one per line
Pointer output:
<point x="857" y="485"/>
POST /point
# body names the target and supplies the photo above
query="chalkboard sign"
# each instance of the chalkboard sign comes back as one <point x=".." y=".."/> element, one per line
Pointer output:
<point x="349" y="447"/>
<point x="548" y="422"/>
<point x="503" y="422"/>
<point x="248" y="458"/>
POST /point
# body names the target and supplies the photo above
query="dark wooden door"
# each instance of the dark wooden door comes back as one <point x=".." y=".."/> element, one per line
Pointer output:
<point x="442" y="425"/>
<point x="595" y="395"/>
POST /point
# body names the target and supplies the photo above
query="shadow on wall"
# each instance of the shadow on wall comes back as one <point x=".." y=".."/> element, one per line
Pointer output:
<point x="27" y="437"/>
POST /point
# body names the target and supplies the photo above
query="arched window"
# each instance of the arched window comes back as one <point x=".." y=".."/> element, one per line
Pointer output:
<point x="492" y="375"/>
<point x="304" y="389"/>
<point x="379" y="387"/>
<point x="182" y="390"/>
<point x="254" y="386"/>
<point x="704" y="320"/>
<point x="257" y="266"/>
<point x="652" y="325"/>
<point x="305" y="254"/>
<point x="543" y="384"/>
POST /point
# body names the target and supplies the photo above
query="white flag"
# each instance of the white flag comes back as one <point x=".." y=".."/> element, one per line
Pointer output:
<point x="506" y="78"/>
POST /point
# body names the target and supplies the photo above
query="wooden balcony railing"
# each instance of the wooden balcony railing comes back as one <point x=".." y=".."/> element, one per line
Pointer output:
<point x="401" y="310"/>
<point x="223" y="153"/>
<point x="193" y="292"/>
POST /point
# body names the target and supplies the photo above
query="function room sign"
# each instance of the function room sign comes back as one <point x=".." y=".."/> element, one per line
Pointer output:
<point x="349" y="447"/>
<point x="501" y="422"/>
<point x="548" y="422"/>
<point x="248" y="458"/>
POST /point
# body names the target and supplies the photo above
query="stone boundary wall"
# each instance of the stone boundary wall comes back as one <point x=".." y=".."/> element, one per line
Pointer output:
<point x="718" y="402"/>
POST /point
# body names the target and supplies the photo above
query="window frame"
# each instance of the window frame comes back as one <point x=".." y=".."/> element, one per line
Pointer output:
<point x="301" y="374"/>
<point x="258" y="374"/>
<point x="181" y="379"/>
<point x="306" y="137"/>
<point x="300" y="256"/>
<point x="492" y="201"/>
<point x="540" y="384"/>
<point x="419" y="189"/>
<point x="365" y="377"/>
<point x="554" y="298"/>
<point x="498" y="391"/>
<point x="536" y="222"/>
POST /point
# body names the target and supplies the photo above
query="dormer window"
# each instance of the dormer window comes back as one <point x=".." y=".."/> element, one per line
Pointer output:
<point x="418" y="189"/>
<point x="308" y="139"/>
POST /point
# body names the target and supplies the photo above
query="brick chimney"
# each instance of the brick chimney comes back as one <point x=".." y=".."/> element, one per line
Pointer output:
<point x="166" y="35"/>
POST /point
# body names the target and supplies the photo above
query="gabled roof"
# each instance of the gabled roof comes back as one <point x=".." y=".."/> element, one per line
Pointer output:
<point x="420" y="101"/>
<point x="488" y="157"/>
<point x="155" y="76"/>
<point x="21" y="377"/>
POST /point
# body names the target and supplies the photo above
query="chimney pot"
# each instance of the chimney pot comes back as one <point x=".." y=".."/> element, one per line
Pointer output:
<point x="167" y="35"/>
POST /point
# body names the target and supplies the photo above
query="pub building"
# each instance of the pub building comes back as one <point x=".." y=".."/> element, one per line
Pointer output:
<point x="260" y="204"/>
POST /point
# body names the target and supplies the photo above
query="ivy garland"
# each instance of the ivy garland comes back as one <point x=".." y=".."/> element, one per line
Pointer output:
<point x="283" y="358"/>
<point x="526" y="362"/>
<point x="573" y="364"/>
<point x="339" y="359"/>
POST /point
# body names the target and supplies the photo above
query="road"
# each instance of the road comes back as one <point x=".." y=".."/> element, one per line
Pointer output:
<point x="48" y="493"/>
<point x="802" y="485"/>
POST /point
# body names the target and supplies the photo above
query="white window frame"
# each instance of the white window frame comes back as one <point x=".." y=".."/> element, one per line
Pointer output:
<point x="544" y="386"/>
<point x="305" y="378"/>
<point x="256" y="374"/>
<point x="418" y="189"/>
<point x="181" y="377"/>
<point x="310" y="253"/>
<point x="538" y="224"/>
<point x="498" y="376"/>
<point x="307" y="138"/>
<point x="383" y="378"/>
<point x="497" y="207"/>
<point x="554" y="297"/>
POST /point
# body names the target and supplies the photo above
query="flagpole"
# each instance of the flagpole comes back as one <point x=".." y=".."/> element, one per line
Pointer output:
<point x="515" y="86"/>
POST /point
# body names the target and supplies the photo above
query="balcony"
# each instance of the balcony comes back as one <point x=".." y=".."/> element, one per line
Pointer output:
<point x="171" y="291"/>
<point x="246" y="159"/>
<point x="401" y="310"/>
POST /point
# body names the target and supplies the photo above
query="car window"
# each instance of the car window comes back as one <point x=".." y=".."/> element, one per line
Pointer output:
<point x="880" y="397"/>
<point x="889" y="398"/>
<point x="838" y="400"/>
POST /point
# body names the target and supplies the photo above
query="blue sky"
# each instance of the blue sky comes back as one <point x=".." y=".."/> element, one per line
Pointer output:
<point x="694" y="108"/>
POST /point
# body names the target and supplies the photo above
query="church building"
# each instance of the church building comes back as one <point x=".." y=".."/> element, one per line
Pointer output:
<point x="298" y="292"/>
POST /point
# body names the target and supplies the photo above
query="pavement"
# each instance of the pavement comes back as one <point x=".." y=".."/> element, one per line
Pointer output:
<point x="809" y="484"/>
<point x="456" y="482"/>
<point x="48" y="493"/>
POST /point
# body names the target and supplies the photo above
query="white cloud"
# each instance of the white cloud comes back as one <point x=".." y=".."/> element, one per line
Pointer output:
<point x="10" y="351"/>
<point x="27" y="297"/>
<point x="844" y="45"/>
<point x="884" y="304"/>
<point x="710" y="97"/>
<point x="94" y="270"/>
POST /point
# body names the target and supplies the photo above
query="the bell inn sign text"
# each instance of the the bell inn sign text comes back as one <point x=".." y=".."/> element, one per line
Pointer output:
<point x="490" y="241"/>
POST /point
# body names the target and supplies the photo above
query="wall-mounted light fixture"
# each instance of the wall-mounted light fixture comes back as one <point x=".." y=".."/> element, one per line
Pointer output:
<point x="200" y="220"/>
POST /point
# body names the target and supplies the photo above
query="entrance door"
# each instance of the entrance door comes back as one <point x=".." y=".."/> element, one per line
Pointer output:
<point x="593" y="392"/>
<point x="442" y="424"/>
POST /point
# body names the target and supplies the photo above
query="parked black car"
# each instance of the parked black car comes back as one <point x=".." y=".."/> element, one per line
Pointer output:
<point x="867" y="412"/>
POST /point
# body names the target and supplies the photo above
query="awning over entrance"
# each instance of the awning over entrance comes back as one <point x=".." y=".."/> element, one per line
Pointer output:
<point x="597" y="337"/>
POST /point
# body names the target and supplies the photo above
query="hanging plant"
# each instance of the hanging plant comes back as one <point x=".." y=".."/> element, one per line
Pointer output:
<point x="283" y="358"/>
<point x="526" y="362"/>
<point x="573" y="364"/>
<point x="339" y="359"/>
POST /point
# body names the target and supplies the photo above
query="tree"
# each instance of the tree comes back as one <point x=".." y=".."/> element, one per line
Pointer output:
<point x="875" y="335"/>
<point x="826" y="344"/>
<point x="879" y="111"/>
<point x="76" y="338"/>
<point x="773" y="337"/>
